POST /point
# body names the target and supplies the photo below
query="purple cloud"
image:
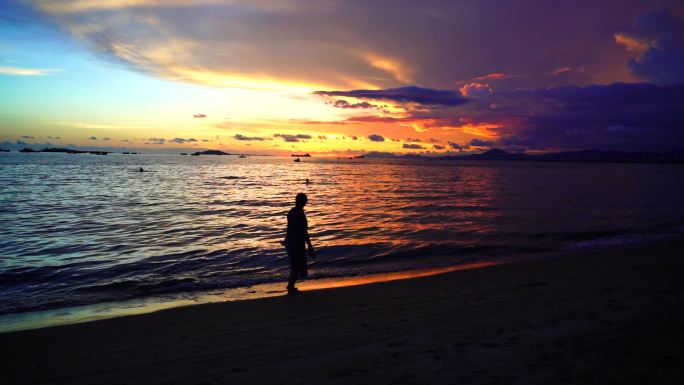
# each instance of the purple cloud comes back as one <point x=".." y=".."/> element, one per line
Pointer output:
<point x="661" y="38"/>
<point x="411" y="94"/>
<point x="182" y="140"/>
<point x="249" y="138"/>
<point x="346" y="104"/>
<point x="482" y="143"/>
<point x="633" y="116"/>
<point x="412" y="146"/>
<point x="293" y="138"/>
<point x="376" y="138"/>
<point x="459" y="147"/>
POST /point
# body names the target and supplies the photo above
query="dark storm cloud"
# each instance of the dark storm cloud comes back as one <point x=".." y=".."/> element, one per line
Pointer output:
<point x="660" y="37"/>
<point x="27" y="137"/>
<point x="438" y="147"/>
<point x="199" y="116"/>
<point x="92" y="138"/>
<point x="249" y="138"/>
<point x="412" y="146"/>
<point x="376" y="138"/>
<point x="634" y="116"/>
<point x="404" y="95"/>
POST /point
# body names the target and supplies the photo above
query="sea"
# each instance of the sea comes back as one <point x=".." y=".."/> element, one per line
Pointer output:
<point x="89" y="235"/>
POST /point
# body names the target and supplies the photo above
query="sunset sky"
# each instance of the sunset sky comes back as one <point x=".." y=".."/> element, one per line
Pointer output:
<point x="331" y="77"/>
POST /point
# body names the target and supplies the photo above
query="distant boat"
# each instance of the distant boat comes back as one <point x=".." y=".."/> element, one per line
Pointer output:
<point x="297" y="160"/>
<point x="126" y="153"/>
<point x="194" y="154"/>
<point x="301" y="155"/>
<point x="242" y="156"/>
<point x="184" y="153"/>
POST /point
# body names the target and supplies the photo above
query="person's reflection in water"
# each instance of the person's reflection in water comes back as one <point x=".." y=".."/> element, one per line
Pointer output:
<point x="296" y="239"/>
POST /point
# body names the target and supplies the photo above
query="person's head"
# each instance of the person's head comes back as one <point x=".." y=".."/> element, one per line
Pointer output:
<point x="301" y="200"/>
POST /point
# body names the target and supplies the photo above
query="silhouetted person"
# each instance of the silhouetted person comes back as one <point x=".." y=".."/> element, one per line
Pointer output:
<point x="307" y="181"/>
<point x="296" y="240"/>
<point x="141" y="169"/>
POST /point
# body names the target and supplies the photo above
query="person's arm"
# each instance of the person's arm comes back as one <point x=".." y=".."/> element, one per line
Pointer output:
<point x="307" y="239"/>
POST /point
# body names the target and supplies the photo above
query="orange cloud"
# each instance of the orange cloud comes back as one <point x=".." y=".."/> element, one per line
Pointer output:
<point x="631" y="43"/>
<point x="561" y="71"/>
<point x="399" y="70"/>
<point x="492" y="76"/>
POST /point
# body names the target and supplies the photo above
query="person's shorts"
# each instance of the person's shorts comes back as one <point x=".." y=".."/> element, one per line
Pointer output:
<point x="297" y="257"/>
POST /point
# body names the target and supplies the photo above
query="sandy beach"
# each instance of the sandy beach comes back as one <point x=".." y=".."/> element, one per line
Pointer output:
<point x="593" y="317"/>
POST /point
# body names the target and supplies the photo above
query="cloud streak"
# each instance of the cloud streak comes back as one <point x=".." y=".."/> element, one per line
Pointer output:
<point x="17" y="71"/>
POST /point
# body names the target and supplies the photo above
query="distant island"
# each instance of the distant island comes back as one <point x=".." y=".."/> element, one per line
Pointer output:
<point x="210" y="152"/>
<point x="588" y="156"/>
<point x="66" y="151"/>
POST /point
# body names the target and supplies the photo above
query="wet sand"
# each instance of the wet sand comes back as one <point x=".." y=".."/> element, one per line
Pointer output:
<point x="605" y="316"/>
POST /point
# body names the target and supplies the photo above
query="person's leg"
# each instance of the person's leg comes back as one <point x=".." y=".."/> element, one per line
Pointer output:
<point x="295" y="256"/>
<point x="293" y="277"/>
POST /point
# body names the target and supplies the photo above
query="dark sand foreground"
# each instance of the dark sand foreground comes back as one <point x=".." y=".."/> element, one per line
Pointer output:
<point x="602" y="317"/>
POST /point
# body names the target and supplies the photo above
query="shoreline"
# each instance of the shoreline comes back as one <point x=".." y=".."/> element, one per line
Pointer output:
<point x="597" y="316"/>
<point x="51" y="317"/>
<point x="38" y="319"/>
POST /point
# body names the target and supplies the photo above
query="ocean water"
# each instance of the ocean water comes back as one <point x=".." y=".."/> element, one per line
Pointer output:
<point x="86" y="229"/>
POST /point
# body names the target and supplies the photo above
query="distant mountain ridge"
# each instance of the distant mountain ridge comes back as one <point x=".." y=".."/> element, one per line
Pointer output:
<point x="590" y="156"/>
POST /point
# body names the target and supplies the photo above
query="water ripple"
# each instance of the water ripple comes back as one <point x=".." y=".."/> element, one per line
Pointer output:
<point x="83" y="229"/>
